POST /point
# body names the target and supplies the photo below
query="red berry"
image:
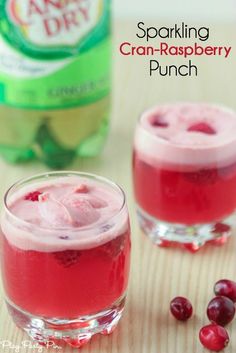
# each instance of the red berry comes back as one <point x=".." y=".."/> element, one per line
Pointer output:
<point x="202" y="176"/>
<point x="181" y="308"/>
<point x="83" y="189"/>
<point x="226" y="288"/>
<point x="214" y="337"/>
<point x="33" y="196"/>
<point x="158" y="121"/>
<point x="221" y="310"/>
<point x="203" y="128"/>
<point x="67" y="258"/>
<point x="114" y="247"/>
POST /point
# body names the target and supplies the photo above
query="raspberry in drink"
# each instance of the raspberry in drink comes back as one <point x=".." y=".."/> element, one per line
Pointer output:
<point x="65" y="263"/>
<point x="184" y="170"/>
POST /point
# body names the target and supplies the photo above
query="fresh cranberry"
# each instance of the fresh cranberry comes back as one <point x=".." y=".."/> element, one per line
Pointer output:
<point x="221" y="310"/>
<point x="181" y="308"/>
<point x="226" y="288"/>
<point x="214" y="337"/>
<point x="203" y="128"/>
<point x="33" y="196"/>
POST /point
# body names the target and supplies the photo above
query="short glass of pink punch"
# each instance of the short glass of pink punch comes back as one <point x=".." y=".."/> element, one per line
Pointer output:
<point x="65" y="255"/>
<point x="184" y="173"/>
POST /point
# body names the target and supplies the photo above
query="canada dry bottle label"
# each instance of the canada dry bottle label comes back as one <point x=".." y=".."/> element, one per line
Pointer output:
<point x="54" y="53"/>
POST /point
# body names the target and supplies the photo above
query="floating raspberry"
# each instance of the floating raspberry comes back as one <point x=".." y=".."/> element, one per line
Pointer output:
<point x="158" y="121"/>
<point x="33" y="196"/>
<point x="82" y="189"/>
<point x="203" y="128"/>
<point x="67" y="258"/>
<point x="202" y="176"/>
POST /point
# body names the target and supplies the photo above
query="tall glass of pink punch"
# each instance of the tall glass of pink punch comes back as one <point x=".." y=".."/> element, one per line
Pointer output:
<point x="184" y="172"/>
<point x="65" y="255"/>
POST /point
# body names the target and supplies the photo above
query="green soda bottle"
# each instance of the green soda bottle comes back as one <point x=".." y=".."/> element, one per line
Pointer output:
<point x="55" y="79"/>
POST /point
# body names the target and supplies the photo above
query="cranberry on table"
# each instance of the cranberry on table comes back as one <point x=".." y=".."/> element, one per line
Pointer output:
<point x="226" y="288"/>
<point x="214" y="337"/>
<point x="181" y="308"/>
<point x="221" y="310"/>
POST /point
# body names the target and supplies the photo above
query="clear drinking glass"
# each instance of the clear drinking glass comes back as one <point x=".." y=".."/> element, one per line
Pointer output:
<point x="65" y="255"/>
<point x="184" y="173"/>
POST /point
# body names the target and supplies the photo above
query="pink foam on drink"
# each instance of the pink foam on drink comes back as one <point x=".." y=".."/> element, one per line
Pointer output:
<point x="64" y="213"/>
<point x="187" y="134"/>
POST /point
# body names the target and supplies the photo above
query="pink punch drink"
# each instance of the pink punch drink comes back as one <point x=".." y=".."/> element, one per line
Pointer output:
<point x="65" y="255"/>
<point x="184" y="170"/>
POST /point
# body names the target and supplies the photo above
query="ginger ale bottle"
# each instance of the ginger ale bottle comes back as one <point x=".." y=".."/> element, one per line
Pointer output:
<point x="54" y="79"/>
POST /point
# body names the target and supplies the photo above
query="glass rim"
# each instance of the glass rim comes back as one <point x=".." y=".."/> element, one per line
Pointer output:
<point x="65" y="173"/>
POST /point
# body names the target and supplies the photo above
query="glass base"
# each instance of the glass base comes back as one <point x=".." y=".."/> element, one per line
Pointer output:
<point x="75" y="332"/>
<point x="191" y="238"/>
